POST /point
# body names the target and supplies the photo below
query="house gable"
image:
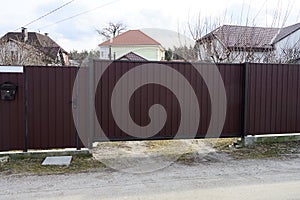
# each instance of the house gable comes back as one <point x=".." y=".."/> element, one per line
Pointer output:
<point x="131" y="56"/>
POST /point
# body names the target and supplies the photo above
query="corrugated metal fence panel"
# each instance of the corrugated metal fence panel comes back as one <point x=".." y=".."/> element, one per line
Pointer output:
<point x="50" y="120"/>
<point x="12" y="116"/>
<point x="150" y="94"/>
<point x="274" y="99"/>
<point x="232" y="76"/>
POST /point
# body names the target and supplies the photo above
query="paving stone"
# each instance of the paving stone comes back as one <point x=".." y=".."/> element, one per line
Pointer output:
<point x="57" y="160"/>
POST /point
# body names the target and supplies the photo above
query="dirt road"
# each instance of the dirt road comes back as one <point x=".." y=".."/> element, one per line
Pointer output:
<point x="217" y="179"/>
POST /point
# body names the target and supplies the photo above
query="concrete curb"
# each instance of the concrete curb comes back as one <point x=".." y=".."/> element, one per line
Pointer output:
<point x="45" y="153"/>
<point x="252" y="140"/>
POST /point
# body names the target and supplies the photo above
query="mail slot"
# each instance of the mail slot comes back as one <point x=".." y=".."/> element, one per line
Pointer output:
<point x="8" y="91"/>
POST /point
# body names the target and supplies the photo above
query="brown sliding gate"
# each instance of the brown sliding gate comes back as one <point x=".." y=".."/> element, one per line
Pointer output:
<point x="50" y="102"/>
<point x="154" y="93"/>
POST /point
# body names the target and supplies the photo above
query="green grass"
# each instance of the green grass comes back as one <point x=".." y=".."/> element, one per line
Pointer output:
<point x="32" y="165"/>
<point x="259" y="150"/>
<point x="278" y="150"/>
<point x="267" y="150"/>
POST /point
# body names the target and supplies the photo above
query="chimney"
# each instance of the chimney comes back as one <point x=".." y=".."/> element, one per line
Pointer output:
<point x="24" y="34"/>
<point x="46" y="34"/>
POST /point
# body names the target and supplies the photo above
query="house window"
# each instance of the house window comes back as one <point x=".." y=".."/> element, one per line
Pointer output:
<point x="104" y="53"/>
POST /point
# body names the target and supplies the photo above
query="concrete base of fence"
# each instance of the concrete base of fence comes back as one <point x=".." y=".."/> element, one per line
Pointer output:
<point x="45" y="153"/>
<point x="252" y="140"/>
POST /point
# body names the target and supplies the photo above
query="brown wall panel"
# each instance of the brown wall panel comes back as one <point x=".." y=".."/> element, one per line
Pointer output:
<point x="12" y="115"/>
<point x="50" y="120"/>
<point x="150" y="94"/>
<point x="274" y="103"/>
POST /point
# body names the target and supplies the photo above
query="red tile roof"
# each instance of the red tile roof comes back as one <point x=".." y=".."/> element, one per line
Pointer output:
<point x="131" y="37"/>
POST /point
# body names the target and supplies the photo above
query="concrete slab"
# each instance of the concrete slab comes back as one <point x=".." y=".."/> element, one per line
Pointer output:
<point x="57" y="160"/>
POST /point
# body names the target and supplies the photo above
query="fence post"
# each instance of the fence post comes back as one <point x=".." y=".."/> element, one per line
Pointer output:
<point x="245" y="98"/>
<point x="26" y="109"/>
<point x="76" y="102"/>
<point x="91" y="102"/>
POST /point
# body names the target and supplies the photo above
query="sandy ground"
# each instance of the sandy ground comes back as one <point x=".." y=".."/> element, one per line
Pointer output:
<point x="149" y="156"/>
<point x="212" y="176"/>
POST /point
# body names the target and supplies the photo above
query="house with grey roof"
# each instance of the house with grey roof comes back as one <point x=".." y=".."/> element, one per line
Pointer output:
<point x="230" y="43"/>
<point x="31" y="48"/>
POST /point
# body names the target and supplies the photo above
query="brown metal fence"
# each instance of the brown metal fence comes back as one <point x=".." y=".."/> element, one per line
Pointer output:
<point x="41" y="115"/>
<point x="12" y="116"/>
<point x="50" y="120"/>
<point x="261" y="99"/>
<point x="150" y="94"/>
<point x="274" y="99"/>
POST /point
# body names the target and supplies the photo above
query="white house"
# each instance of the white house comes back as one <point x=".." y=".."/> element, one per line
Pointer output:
<point x="134" y="41"/>
<point x="146" y="44"/>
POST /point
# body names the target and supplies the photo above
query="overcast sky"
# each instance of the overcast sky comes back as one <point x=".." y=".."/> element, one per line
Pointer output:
<point x="79" y="32"/>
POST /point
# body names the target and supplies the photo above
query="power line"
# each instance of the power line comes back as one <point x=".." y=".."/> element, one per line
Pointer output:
<point x="52" y="11"/>
<point x="79" y="14"/>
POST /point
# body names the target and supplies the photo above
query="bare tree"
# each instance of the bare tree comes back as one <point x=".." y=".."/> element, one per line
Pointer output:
<point x="80" y="57"/>
<point x="236" y="44"/>
<point x="112" y="30"/>
<point x="289" y="55"/>
<point x="185" y="53"/>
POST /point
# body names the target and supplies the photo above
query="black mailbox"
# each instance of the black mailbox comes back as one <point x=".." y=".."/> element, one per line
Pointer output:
<point x="8" y="91"/>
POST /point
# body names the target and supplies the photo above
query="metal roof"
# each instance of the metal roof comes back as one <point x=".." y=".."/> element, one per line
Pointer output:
<point x="233" y="36"/>
<point x="243" y="36"/>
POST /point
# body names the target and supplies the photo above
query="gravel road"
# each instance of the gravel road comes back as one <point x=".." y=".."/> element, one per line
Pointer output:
<point x="207" y="179"/>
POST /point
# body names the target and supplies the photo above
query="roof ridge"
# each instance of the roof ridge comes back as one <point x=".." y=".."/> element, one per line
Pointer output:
<point x="249" y="26"/>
